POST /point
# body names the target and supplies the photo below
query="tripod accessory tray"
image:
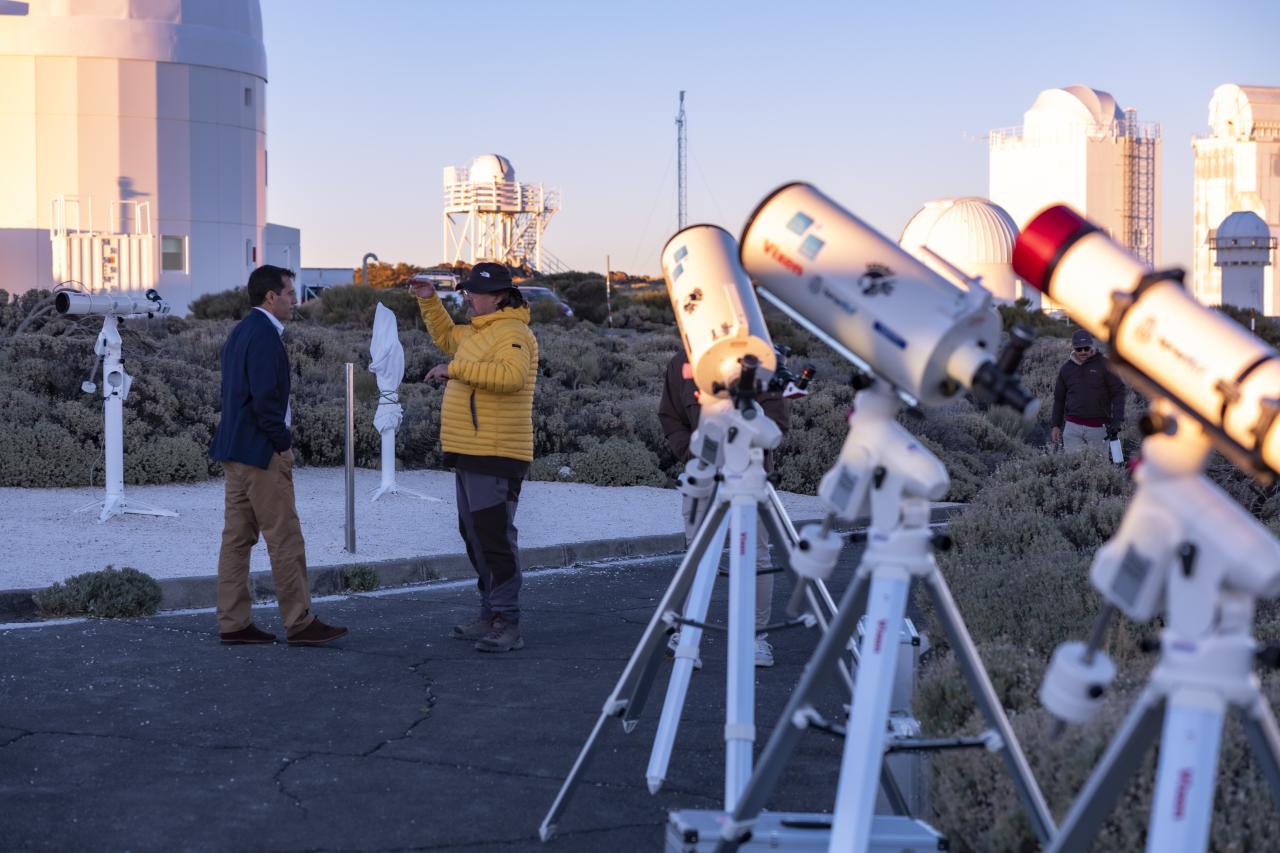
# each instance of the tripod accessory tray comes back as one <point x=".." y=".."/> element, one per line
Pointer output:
<point x="698" y="831"/>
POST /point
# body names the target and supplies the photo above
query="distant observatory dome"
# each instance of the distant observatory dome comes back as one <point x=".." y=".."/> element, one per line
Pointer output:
<point x="974" y="234"/>
<point x="491" y="167"/>
<point x="1244" y="227"/>
<point x="221" y="34"/>
<point x="1072" y="106"/>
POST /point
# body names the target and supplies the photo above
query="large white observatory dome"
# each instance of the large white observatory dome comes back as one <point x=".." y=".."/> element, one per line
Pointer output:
<point x="1071" y="107"/>
<point x="135" y="144"/>
<point x="974" y="234"/>
<point x="491" y="167"/>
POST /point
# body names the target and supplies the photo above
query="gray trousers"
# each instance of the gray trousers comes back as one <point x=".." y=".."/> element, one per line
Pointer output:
<point x="1077" y="437"/>
<point x="486" y="520"/>
<point x="764" y="583"/>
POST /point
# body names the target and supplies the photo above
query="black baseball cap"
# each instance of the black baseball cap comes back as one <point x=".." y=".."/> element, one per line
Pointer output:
<point x="1080" y="339"/>
<point x="487" y="278"/>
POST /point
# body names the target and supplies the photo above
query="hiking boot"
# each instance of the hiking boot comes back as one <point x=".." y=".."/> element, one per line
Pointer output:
<point x="316" y="634"/>
<point x="673" y="643"/>
<point x="503" y="636"/>
<point x="252" y="635"/>
<point x="476" y="629"/>
<point x="764" y="652"/>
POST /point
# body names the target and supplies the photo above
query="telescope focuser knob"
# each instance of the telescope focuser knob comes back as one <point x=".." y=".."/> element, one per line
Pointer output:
<point x="857" y="536"/>
<point x="941" y="542"/>
<point x="1154" y="423"/>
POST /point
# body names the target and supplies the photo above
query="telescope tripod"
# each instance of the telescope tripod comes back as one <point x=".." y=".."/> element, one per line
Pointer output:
<point x="741" y="497"/>
<point x="115" y="389"/>
<point x="1185" y="548"/>
<point x="883" y="461"/>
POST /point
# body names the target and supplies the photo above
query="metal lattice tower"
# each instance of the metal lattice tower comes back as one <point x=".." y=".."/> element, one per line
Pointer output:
<point x="682" y="183"/>
<point x="1139" y="186"/>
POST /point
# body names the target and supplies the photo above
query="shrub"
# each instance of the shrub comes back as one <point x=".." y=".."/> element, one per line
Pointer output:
<point x="109" y="593"/>
<point x="354" y="305"/>
<point x="618" y="462"/>
<point x="584" y="293"/>
<point x="228" y="305"/>
<point x="360" y="578"/>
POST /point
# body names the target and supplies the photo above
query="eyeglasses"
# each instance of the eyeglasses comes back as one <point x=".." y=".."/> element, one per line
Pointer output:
<point x="1083" y="349"/>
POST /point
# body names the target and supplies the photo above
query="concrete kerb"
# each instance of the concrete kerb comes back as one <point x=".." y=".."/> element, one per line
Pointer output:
<point x="196" y="592"/>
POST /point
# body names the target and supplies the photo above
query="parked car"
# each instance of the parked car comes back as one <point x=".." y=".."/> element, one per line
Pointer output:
<point x="534" y="295"/>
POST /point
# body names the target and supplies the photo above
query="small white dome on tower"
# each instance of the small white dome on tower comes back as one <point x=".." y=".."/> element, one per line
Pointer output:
<point x="974" y="234"/>
<point x="1243" y="226"/>
<point x="491" y="167"/>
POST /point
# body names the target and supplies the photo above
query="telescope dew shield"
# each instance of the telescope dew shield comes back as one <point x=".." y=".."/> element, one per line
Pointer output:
<point x="716" y="308"/>
<point x="73" y="302"/>
<point x="843" y="280"/>
<point x="1161" y="338"/>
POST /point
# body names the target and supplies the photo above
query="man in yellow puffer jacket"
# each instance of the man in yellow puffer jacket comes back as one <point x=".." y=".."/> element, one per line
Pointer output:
<point x="486" y="433"/>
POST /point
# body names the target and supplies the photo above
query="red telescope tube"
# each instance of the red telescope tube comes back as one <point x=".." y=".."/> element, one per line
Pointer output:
<point x="1044" y="241"/>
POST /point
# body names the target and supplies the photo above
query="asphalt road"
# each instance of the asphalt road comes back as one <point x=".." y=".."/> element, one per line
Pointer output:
<point x="148" y="735"/>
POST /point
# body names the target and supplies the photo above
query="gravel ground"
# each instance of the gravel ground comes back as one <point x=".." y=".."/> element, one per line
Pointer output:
<point x="46" y="540"/>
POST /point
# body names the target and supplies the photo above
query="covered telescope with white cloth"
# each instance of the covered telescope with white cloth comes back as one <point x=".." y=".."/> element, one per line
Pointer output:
<point x="387" y="364"/>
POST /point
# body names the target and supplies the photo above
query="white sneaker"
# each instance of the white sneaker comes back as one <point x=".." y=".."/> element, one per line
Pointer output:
<point x="764" y="652"/>
<point x="674" y="641"/>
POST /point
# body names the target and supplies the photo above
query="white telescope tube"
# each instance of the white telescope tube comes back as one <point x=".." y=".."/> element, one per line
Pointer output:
<point x="851" y="285"/>
<point x="716" y="308"/>
<point x="73" y="302"/>
<point x="1165" y="342"/>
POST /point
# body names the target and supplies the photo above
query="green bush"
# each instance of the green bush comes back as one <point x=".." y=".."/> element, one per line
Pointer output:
<point x="110" y="594"/>
<point x="354" y="305"/>
<point x="617" y="462"/>
<point x="228" y="305"/>
<point x="360" y="578"/>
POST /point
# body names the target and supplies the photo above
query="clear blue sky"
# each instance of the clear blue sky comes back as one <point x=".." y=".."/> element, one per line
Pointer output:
<point x="882" y="105"/>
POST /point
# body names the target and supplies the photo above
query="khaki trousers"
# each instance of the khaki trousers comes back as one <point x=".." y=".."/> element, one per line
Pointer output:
<point x="262" y="501"/>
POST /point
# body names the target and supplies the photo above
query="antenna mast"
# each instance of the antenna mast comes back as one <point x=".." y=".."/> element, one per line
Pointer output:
<point x="682" y="143"/>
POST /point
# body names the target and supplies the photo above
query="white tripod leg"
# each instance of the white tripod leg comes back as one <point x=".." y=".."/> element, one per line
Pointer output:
<point x="739" y="717"/>
<point x="868" y="721"/>
<point x="682" y="669"/>
<point x="1182" y="809"/>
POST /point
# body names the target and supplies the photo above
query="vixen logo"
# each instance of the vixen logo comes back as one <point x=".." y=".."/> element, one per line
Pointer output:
<point x="1180" y="795"/>
<point x="881" y="627"/>
<point x="742" y="545"/>
<point x="772" y="250"/>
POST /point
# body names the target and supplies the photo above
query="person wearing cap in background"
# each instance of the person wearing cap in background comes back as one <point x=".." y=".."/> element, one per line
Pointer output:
<point x="1088" y="399"/>
<point x="486" y="433"/>
<point x="678" y="412"/>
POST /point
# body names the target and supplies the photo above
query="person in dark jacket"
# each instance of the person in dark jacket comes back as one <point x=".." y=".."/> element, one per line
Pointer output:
<point x="678" y="412"/>
<point x="254" y="443"/>
<point x="1088" y="399"/>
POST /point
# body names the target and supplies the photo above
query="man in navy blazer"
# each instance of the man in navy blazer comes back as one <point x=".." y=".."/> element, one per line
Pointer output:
<point x="254" y="444"/>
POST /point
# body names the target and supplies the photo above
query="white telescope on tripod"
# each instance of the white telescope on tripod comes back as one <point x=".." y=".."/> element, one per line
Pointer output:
<point x="115" y="385"/>
<point x="916" y="338"/>
<point x="1184" y="548"/>
<point x="731" y="358"/>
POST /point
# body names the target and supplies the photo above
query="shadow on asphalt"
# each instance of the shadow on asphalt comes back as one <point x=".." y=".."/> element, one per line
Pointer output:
<point x="148" y="735"/>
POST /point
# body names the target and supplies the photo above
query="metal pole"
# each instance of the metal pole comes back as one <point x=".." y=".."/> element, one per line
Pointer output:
<point x="351" y="457"/>
<point x="608" y="297"/>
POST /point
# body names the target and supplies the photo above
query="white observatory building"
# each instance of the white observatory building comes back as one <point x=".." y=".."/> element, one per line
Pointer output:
<point x="974" y="235"/>
<point x="1242" y="248"/>
<point x="490" y="216"/>
<point x="1076" y="145"/>
<point x="1237" y="168"/>
<point x="135" y="146"/>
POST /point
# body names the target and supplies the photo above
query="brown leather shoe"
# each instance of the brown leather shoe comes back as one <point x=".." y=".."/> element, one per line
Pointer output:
<point x="317" y="634"/>
<point x="253" y="635"/>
